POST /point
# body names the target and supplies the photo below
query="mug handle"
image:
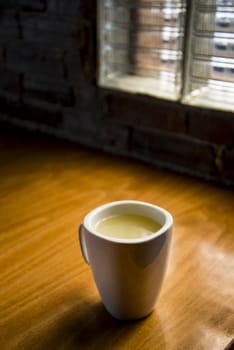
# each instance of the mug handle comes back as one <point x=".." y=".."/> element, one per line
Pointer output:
<point x="83" y="247"/>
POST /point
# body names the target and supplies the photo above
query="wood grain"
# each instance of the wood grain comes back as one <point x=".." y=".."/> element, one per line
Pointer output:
<point x="48" y="297"/>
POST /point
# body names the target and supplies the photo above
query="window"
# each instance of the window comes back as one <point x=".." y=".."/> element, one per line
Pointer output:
<point x="210" y="65"/>
<point x="146" y="47"/>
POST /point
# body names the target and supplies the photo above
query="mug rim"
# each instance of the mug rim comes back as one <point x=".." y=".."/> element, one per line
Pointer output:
<point x="167" y="225"/>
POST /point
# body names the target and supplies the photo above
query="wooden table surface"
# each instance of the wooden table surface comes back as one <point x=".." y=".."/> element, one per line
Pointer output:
<point x="48" y="296"/>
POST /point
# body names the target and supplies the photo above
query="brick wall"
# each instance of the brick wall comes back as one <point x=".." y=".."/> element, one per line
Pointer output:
<point x="48" y="82"/>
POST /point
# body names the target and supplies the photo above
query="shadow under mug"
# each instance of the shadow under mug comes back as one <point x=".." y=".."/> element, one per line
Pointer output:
<point x="128" y="272"/>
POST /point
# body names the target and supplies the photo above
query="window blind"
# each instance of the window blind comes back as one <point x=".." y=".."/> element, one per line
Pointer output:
<point x="142" y="45"/>
<point x="209" y="76"/>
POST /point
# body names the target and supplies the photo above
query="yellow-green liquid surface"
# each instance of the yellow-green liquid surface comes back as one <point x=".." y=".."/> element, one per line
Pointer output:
<point x="127" y="226"/>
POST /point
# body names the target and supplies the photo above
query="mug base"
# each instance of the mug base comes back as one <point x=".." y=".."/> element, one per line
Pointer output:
<point x="129" y="317"/>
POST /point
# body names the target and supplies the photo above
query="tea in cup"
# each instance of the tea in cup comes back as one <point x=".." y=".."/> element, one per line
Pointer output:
<point x="127" y="243"/>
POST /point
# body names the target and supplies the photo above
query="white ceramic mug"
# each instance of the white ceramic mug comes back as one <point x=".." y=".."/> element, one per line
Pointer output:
<point x="128" y="272"/>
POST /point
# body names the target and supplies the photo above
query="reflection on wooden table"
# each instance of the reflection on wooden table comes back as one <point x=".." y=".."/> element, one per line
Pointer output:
<point x="48" y="296"/>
